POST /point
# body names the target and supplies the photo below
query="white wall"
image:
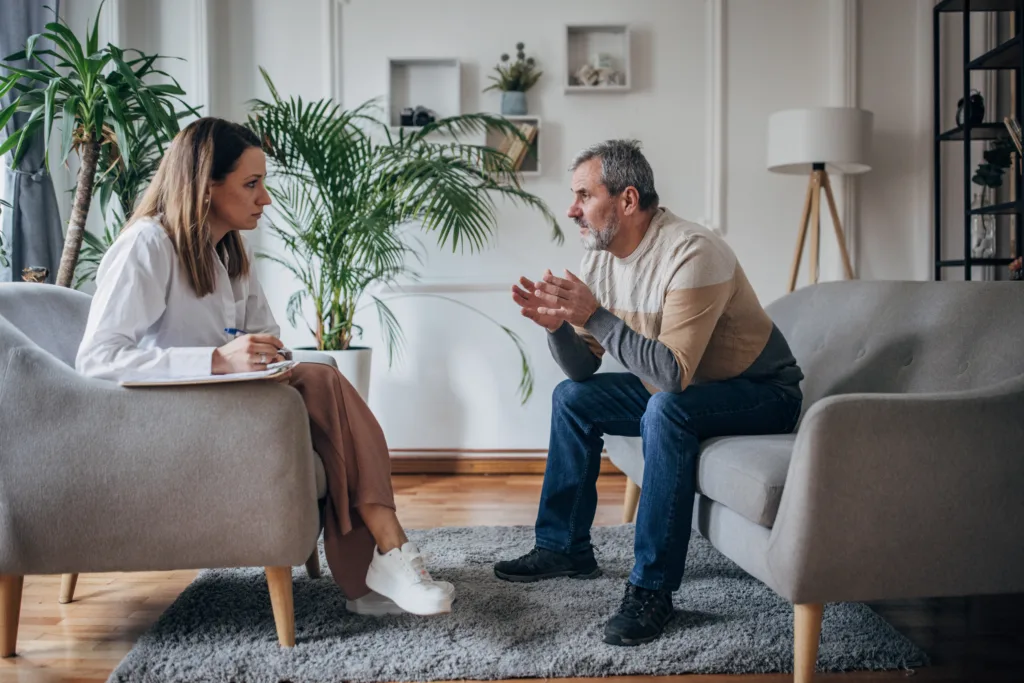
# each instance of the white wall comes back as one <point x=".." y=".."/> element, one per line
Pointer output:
<point x="455" y="386"/>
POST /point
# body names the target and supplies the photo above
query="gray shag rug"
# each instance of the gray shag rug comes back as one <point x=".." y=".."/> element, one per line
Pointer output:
<point x="221" y="627"/>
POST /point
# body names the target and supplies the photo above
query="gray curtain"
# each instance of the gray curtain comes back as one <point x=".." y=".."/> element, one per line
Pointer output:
<point x="32" y="227"/>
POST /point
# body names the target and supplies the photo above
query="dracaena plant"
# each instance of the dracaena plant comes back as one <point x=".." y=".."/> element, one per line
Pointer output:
<point x="349" y="194"/>
<point x="97" y="94"/>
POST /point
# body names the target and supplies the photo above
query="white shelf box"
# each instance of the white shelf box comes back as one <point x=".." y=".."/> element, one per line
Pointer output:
<point x="605" y="49"/>
<point x="431" y="82"/>
<point x="530" y="167"/>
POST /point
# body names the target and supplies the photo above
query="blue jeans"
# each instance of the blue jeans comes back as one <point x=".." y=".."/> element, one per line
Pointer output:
<point x="672" y="427"/>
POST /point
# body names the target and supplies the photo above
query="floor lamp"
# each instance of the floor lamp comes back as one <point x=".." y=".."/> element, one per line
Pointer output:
<point x="812" y="142"/>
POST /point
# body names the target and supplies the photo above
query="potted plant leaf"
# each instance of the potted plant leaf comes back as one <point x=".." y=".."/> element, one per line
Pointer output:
<point x="97" y="93"/>
<point x="513" y="79"/>
<point x="347" y="192"/>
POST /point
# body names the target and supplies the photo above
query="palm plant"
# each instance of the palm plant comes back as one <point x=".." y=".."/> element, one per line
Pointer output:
<point x="116" y="180"/>
<point x="347" y="190"/>
<point x="96" y="105"/>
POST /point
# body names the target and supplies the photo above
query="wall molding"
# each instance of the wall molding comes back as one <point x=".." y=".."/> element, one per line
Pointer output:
<point x="714" y="151"/>
<point x="201" y="92"/>
<point x="844" y="77"/>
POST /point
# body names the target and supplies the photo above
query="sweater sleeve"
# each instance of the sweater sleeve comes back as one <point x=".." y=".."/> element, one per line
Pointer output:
<point x="573" y="353"/>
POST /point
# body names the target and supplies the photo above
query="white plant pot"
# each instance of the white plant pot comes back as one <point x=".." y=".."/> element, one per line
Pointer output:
<point x="355" y="365"/>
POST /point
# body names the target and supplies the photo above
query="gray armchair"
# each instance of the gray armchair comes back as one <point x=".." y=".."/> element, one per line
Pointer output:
<point x="905" y="477"/>
<point x="100" y="478"/>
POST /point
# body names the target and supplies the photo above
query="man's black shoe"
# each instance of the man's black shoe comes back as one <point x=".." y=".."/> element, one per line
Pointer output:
<point x="641" y="617"/>
<point x="541" y="564"/>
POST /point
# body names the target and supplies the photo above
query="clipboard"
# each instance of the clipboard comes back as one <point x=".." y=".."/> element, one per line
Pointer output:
<point x="273" y="370"/>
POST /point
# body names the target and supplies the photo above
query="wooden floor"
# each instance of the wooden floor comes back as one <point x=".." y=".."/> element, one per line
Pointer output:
<point x="970" y="640"/>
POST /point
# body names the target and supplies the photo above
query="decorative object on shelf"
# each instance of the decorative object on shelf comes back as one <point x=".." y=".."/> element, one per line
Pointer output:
<point x="597" y="76"/>
<point x="406" y="116"/>
<point x="347" y="192"/>
<point x="975" y="109"/>
<point x="597" y="58"/>
<point x="989" y="175"/>
<point x="1017" y="269"/>
<point x="983" y="230"/>
<point x="513" y="80"/>
<point x="34" y="274"/>
<point x="422" y="116"/>
<point x="806" y="141"/>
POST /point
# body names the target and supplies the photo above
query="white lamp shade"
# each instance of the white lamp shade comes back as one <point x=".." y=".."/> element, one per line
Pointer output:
<point x="839" y="137"/>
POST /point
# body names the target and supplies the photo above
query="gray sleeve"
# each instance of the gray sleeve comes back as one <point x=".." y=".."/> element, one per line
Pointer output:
<point x="572" y="354"/>
<point x="648" y="359"/>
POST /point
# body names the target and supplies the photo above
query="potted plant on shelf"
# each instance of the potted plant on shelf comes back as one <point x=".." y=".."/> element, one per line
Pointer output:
<point x="346" y="191"/>
<point x="513" y="80"/>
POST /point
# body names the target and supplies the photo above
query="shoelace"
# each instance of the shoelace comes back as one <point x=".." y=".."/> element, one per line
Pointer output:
<point x="417" y="564"/>
<point x="632" y="604"/>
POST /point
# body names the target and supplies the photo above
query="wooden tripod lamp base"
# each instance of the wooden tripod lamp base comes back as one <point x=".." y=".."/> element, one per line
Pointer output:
<point x="811" y="219"/>
<point x="804" y="140"/>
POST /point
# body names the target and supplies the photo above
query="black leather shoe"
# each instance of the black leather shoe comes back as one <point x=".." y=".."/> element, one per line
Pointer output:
<point x="539" y="564"/>
<point x="641" y="617"/>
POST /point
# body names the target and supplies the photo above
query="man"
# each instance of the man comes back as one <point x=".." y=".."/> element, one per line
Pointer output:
<point x="668" y="300"/>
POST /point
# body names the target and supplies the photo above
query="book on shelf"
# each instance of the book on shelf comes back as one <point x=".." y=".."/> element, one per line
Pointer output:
<point x="1015" y="132"/>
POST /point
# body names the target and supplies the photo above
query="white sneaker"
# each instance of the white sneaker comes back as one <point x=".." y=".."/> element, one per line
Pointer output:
<point x="401" y="576"/>
<point x="376" y="605"/>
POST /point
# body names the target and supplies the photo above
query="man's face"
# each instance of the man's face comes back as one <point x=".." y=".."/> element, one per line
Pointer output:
<point x="594" y="210"/>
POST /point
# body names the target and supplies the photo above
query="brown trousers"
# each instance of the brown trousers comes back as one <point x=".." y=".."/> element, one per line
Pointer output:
<point x="351" y="444"/>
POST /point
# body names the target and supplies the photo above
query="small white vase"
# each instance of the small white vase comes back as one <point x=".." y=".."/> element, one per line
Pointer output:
<point x="355" y="364"/>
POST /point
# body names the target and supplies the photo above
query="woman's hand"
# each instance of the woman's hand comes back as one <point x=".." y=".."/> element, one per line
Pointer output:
<point x="248" y="353"/>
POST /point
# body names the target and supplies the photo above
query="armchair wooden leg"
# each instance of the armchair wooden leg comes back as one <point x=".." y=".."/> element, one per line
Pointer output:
<point x="631" y="502"/>
<point x="67" y="587"/>
<point x="806" y="635"/>
<point x="10" y="612"/>
<point x="313" y="564"/>
<point x="279" y="579"/>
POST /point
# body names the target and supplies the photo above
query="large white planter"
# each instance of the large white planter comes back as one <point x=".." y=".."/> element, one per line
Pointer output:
<point x="355" y="364"/>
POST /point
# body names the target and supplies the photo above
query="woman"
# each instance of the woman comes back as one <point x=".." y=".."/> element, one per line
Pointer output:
<point x="178" y="278"/>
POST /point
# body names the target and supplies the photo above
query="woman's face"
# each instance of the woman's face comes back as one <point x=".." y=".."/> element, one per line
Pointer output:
<point x="237" y="202"/>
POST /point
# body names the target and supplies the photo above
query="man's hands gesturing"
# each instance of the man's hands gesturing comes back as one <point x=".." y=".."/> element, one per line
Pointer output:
<point x="555" y="299"/>
<point x="529" y="305"/>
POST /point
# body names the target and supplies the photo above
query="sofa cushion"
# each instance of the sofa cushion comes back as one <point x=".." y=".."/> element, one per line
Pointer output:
<point x="746" y="473"/>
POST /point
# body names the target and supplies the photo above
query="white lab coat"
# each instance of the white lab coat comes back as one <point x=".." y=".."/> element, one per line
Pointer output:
<point x="146" y="320"/>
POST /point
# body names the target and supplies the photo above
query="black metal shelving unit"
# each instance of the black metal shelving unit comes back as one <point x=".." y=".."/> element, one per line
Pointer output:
<point x="1007" y="56"/>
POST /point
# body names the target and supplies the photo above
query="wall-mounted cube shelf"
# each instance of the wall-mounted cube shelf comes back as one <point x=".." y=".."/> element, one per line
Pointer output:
<point x="431" y="82"/>
<point x="530" y="166"/>
<point x="597" y="58"/>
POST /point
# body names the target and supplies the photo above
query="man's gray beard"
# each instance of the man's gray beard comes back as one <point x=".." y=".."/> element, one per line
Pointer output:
<point x="600" y="240"/>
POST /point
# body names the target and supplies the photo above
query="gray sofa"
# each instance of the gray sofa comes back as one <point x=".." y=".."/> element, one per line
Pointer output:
<point x="99" y="478"/>
<point x="905" y="476"/>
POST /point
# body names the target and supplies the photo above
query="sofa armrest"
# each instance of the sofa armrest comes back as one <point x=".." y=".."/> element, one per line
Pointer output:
<point x="898" y="496"/>
<point x="95" y="477"/>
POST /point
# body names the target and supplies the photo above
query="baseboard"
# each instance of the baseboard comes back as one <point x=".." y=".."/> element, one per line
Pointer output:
<point x="448" y="461"/>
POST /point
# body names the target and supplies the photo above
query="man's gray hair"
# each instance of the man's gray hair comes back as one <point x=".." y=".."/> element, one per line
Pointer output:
<point x="622" y="165"/>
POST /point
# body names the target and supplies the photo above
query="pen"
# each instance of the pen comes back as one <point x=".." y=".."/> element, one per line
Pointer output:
<point x="233" y="332"/>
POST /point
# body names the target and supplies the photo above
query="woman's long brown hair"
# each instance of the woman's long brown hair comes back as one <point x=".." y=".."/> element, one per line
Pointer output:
<point x="201" y="154"/>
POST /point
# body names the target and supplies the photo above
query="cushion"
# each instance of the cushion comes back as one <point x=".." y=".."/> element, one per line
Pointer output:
<point x="746" y="473"/>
